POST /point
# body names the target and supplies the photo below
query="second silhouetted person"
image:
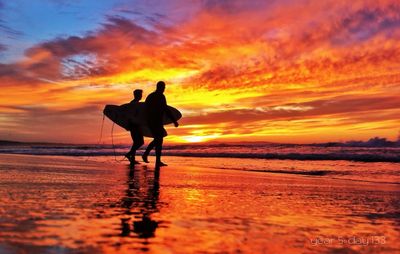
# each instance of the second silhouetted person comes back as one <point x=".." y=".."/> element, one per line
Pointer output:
<point x="156" y="107"/>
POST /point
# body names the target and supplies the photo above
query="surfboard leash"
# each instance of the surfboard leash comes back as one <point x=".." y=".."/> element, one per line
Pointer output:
<point x="101" y="130"/>
<point x="112" y="142"/>
<point x="101" y="136"/>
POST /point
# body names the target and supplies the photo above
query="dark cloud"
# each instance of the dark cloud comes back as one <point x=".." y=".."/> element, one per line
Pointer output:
<point x="41" y="111"/>
<point x="344" y="27"/>
<point x="292" y="59"/>
<point x="13" y="75"/>
<point x="62" y="3"/>
<point x="5" y="29"/>
<point x="25" y="114"/>
<point x="61" y="47"/>
<point x="120" y="26"/>
<point x="233" y="6"/>
<point x="9" y="32"/>
<point x="8" y="70"/>
<point x="126" y="11"/>
<point x="3" y="47"/>
<point x="42" y="123"/>
<point x="317" y="108"/>
<point x="101" y="42"/>
<point x="365" y="23"/>
<point x="215" y="78"/>
<point x="350" y="105"/>
<point x="97" y="53"/>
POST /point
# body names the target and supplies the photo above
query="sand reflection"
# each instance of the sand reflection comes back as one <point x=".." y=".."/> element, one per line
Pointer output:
<point x="68" y="205"/>
<point x="140" y="202"/>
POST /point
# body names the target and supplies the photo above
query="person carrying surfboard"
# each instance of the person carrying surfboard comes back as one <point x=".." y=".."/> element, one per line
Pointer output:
<point x="135" y="130"/>
<point x="156" y="107"/>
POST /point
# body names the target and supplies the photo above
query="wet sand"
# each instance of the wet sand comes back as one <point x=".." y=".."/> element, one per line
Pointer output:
<point x="54" y="204"/>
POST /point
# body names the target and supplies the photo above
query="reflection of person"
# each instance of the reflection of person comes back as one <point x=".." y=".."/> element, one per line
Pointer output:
<point x="136" y="133"/>
<point x="141" y="198"/>
<point x="156" y="106"/>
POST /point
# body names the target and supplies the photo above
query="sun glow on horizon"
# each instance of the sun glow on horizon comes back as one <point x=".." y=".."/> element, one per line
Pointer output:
<point x="197" y="138"/>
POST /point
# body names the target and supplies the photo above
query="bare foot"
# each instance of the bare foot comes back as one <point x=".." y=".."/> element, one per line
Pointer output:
<point x="128" y="156"/>
<point x="160" y="164"/>
<point x="144" y="157"/>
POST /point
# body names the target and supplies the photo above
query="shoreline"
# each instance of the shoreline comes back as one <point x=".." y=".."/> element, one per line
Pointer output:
<point x="322" y="168"/>
<point x="271" y="156"/>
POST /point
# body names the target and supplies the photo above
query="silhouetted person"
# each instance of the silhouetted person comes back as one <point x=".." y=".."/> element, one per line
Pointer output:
<point x="156" y="106"/>
<point x="136" y="133"/>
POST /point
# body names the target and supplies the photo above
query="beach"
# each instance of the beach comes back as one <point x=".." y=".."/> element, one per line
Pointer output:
<point x="68" y="204"/>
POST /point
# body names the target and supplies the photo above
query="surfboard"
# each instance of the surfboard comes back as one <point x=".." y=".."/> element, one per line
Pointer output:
<point x="126" y="114"/>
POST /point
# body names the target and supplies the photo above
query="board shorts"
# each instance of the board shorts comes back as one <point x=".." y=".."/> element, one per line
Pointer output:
<point x="157" y="130"/>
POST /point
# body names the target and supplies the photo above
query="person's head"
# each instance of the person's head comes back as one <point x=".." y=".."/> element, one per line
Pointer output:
<point x="160" y="86"/>
<point x="137" y="94"/>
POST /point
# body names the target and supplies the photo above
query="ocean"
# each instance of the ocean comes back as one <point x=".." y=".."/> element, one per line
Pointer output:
<point x="354" y="162"/>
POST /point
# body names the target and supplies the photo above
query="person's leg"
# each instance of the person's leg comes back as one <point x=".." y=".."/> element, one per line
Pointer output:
<point x="138" y="142"/>
<point x="147" y="152"/>
<point x="158" y="145"/>
<point x="154" y="130"/>
<point x="129" y="154"/>
<point x="158" y="132"/>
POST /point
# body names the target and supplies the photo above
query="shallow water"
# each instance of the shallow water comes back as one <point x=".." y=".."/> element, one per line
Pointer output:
<point x="366" y="164"/>
<point x="53" y="204"/>
<point x="384" y="153"/>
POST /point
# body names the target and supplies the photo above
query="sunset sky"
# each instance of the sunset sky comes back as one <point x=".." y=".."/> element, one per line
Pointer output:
<point x="279" y="71"/>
